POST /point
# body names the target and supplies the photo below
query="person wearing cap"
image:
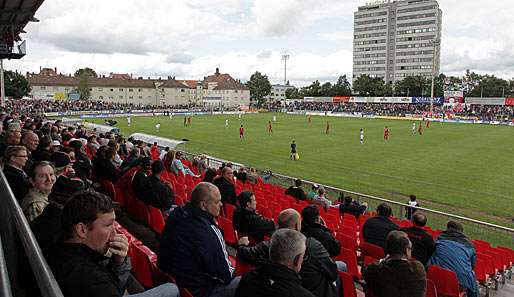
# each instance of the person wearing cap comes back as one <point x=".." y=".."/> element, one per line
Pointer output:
<point x="55" y="146"/>
<point x="247" y="221"/>
<point x="63" y="166"/>
<point x="312" y="192"/>
<point x="47" y="227"/>
<point x="41" y="178"/>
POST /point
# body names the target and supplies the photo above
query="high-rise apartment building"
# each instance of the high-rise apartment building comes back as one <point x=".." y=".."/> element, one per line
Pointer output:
<point x="396" y="39"/>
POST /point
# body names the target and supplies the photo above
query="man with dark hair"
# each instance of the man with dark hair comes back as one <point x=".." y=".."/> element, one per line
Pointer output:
<point x="159" y="194"/>
<point x="225" y="184"/>
<point x="412" y="207"/>
<point x="397" y="275"/>
<point x="377" y="228"/>
<point x="422" y="242"/>
<point x="248" y="222"/>
<point x="454" y="251"/>
<point x="318" y="273"/>
<point x="296" y="191"/>
<point x="352" y="207"/>
<point x="89" y="240"/>
<point x="47" y="227"/>
<point x="280" y="276"/>
<point x="82" y="165"/>
<point x="140" y="178"/>
<point x="314" y="226"/>
<point x="193" y="249"/>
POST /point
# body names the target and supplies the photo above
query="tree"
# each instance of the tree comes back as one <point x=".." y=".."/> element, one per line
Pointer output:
<point x="16" y="85"/>
<point x="259" y="86"/>
<point x="326" y="89"/>
<point x="83" y="87"/>
<point x="365" y="85"/>
<point x="292" y="93"/>
<point x="85" y="71"/>
<point x="342" y="87"/>
<point x="416" y="86"/>
<point x="313" y="90"/>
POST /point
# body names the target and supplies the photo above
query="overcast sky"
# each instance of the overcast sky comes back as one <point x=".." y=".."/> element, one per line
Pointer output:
<point x="188" y="39"/>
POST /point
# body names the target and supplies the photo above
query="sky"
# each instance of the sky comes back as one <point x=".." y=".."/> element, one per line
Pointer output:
<point x="189" y="39"/>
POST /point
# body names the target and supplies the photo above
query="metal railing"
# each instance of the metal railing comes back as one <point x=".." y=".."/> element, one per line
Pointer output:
<point x="437" y="220"/>
<point x="15" y="232"/>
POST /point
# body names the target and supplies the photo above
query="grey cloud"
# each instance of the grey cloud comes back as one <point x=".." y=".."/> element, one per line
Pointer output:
<point x="265" y="54"/>
<point x="180" y="58"/>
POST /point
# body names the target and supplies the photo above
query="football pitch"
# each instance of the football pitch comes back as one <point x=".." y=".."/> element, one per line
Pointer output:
<point x="458" y="168"/>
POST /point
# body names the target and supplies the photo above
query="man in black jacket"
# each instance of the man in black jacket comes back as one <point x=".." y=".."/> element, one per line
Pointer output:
<point x="226" y="186"/>
<point x="377" y="228"/>
<point x="248" y="222"/>
<point x="423" y="245"/>
<point x="318" y="273"/>
<point x="158" y="194"/>
<point x="352" y="207"/>
<point x="92" y="258"/>
<point x="140" y="179"/>
<point x="193" y="249"/>
<point x="279" y="278"/>
<point x="314" y="226"/>
<point x="296" y="191"/>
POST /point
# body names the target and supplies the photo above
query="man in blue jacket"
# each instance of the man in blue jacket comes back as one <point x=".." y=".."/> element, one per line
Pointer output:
<point x="455" y="252"/>
<point x="193" y="249"/>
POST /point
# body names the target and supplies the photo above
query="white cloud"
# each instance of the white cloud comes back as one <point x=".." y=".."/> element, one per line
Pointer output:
<point x="337" y="36"/>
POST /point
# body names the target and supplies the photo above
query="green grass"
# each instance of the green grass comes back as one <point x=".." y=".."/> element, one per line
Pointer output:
<point x="458" y="168"/>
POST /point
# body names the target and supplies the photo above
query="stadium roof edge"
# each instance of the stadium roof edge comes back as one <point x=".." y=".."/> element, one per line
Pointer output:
<point x="16" y="14"/>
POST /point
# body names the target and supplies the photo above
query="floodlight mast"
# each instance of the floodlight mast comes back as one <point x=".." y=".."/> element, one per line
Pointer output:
<point x="285" y="57"/>
<point x="435" y="43"/>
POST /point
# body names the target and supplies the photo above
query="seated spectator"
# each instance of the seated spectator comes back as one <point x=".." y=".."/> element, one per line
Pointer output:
<point x="91" y="260"/>
<point x="163" y="153"/>
<point x="248" y="222"/>
<point x="210" y="175"/>
<point x="193" y="249"/>
<point x="55" y="146"/>
<point x="314" y="226"/>
<point x="375" y="229"/>
<point x="43" y="151"/>
<point x="253" y="176"/>
<point x="30" y="140"/>
<point x="296" y="191"/>
<point x="454" y="251"/>
<point x="15" y="158"/>
<point x="422" y="242"/>
<point x="178" y="168"/>
<point x="225" y="184"/>
<point x="318" y="273"/>
<point x="412" y="207"/>
<point x="158" y="194"/>
<point x="321" y="199"/>
<point x="313" y="192"/>
<point x="47" y="227"/>
<point x="103" y="165"/>
<point x="202" y="164"/>
<point x="41" y="178"/>
<point x="352" y="207"/>
<point x="12" y="137"/>
<point x="63" y="165"/>
<point x="131" y="160"/>
<point x="82" y="164"/>
<point x="140" y="179"/>
<point x="280" y="277"/>
<point x="397" y="275"/>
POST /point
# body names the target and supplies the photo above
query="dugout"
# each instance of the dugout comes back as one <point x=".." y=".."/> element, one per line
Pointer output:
<point x="161" y="141"/>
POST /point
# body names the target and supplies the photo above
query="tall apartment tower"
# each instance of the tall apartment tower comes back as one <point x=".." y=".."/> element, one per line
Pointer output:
<point x="396" y="39"/>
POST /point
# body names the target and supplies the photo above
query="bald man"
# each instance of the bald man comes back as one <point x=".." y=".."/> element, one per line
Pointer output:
<point x="193" y="249"/>
<point x="318" y="273"/>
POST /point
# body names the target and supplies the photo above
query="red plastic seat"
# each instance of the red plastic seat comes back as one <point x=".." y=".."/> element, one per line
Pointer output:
<point x="372" y="250"/>
<point x="368" y="260"/>
<point x="142" y="261"/>
<point x="108" y="189"/>
<point x="185" y="293"/>
<point x="347" y="241"/>
<point x="445" y="281"/>
<point x="242" y="267"/>
<point x="156" y="219"/>
<point x="431" y="289"/>
<point x="228" y="231"/>
<point x="348" y="284"/>
<point x="480" y="270"/>
<point x="350" y="258"/>
<point x="229" y="210"/>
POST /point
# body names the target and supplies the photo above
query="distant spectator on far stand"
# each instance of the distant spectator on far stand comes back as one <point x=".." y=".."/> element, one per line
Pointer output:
<point x="296" y="191"/>
<point x="412" y="207"/>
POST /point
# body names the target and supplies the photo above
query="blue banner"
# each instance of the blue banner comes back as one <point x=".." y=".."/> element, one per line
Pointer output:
<point x="426" y="100"/>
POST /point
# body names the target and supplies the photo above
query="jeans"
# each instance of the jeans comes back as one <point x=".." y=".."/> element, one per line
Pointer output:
<point x="164" y="290"/>
<point x="341" y="266"/>
<point x="228" y="290"/>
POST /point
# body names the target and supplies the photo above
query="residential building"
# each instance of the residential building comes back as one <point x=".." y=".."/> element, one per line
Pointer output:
<point x="278" y="92"/>
<point x="123" y="88"/>
<point x="396" y="39"/>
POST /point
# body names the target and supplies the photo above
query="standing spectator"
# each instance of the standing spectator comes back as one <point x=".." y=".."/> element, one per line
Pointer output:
<point x="455" y="251"/>
<point x="247" y="221"/>
<point x="319" y="272"/>
<point x="280" y="277"/>
<point x="15" y="158"/>
<point x="397" y="275"/>
<point x="226" y="186"/>
<point x="47" y="227"/>
<point x="296" y="191"/>
<point x="41" y="178"/>
<point x="12" y="137"/>
<point x="79" y="261"/>
<point x="377" y="228"/>
<point x="193" y="249"/>
<point x="412" y="207"/>
<point x="422" y="242"/>
<point x="314" y="226"/>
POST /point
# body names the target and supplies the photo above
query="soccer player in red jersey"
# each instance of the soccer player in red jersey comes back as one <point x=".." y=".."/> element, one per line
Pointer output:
<point x="428" y="124"/>
<point x="241" y="132"/>
<point x="270" y="128"/>
<point x="420" y="129"/>
<point x="309" y="119"/>
<point x="327" y="129"/>
<point x="386" y="133"/>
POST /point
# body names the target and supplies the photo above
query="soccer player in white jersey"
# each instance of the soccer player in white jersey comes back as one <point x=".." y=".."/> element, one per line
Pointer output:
<point x="413" y="128"/>
<point x="129" y="121"/>
<point x="158" y="126"/>
<point x="362" y="136"/>
<point x="226" y="123"/>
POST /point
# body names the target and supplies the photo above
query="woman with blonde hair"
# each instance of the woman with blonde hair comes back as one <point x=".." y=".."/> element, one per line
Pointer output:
<point x="15" y="158"/>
